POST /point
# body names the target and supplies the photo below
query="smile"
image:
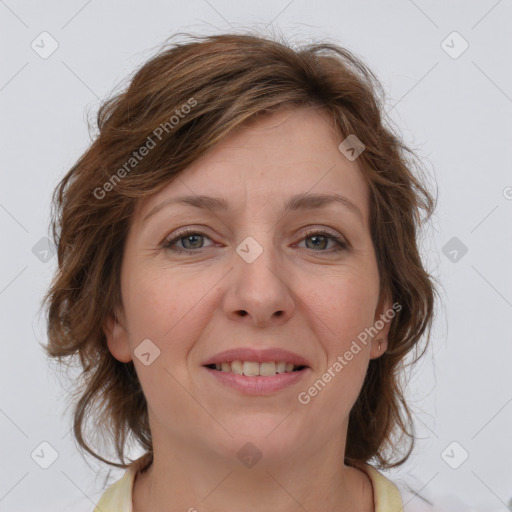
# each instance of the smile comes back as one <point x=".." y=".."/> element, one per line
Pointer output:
<point x="255" y="369"/>
<point x="256" y="384"/>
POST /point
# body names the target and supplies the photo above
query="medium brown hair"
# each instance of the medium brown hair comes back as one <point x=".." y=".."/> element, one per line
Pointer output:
<point x="192" y="94"/>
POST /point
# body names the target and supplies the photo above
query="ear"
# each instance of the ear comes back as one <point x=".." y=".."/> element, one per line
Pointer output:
<point x="384" y="314"/>
<point x="117" y="337"/>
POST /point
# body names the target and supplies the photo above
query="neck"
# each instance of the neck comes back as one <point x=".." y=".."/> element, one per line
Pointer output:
<point x="191" y="479"/>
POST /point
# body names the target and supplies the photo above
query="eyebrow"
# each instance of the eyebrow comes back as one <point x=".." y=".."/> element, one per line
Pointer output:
<point x="303" y="201"/>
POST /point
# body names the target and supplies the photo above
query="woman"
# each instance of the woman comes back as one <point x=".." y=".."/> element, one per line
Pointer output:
<point x="240" y="277"/>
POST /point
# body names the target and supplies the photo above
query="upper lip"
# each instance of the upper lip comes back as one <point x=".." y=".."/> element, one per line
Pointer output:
<point x="258" y="356"/>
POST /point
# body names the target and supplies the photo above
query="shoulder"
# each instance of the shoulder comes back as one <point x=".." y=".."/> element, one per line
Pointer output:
<point x="118" y="497"/>
<point x="386" y="495"/>
<point x="394" y="497"/>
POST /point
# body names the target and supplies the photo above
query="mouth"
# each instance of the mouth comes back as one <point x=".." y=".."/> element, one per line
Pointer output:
<point x="255" y="369"/>
<point x="257" y="372"/>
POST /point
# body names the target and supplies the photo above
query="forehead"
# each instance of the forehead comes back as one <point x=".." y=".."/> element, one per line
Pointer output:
<point x="267" y="160"/>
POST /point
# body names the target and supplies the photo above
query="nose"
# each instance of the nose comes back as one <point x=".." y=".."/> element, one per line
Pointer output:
<point x="259" y="292"/>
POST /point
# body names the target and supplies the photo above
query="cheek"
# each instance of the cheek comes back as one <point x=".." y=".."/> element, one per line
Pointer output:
<point x="342" y="311"/>
<point x="343" y="307"/>
<point x="166" y="307"/>
<point x="171" y="309"/>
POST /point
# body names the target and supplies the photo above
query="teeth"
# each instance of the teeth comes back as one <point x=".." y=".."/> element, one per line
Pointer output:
<point x="267" y="368"/>
<point x="281" y="367"/>
<point x="253" y="369"/>
<point x="236" y="367"/>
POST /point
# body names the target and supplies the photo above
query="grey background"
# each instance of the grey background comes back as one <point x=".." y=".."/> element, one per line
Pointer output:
<point x="456" y="112"/>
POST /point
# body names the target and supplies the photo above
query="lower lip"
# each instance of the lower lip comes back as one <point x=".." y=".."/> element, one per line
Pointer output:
<point x="258" y="385"/>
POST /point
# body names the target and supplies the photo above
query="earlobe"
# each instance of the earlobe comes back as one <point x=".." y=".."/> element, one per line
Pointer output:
<point x="117" y="338"/>
<point x="379" y="346"/>
<point x="382" y="322"/>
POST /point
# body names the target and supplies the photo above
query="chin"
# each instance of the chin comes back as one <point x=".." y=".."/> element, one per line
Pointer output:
<point x="267" y="435"/>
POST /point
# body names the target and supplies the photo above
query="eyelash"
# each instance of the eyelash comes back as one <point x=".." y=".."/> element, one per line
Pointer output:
<point x="341" y="244"/>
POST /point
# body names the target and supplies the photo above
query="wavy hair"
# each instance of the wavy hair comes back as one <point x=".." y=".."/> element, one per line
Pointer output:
<point x="185" y="99"/>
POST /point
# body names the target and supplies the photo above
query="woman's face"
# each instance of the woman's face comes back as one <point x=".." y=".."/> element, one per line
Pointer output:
<point x="253" y="275"/>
